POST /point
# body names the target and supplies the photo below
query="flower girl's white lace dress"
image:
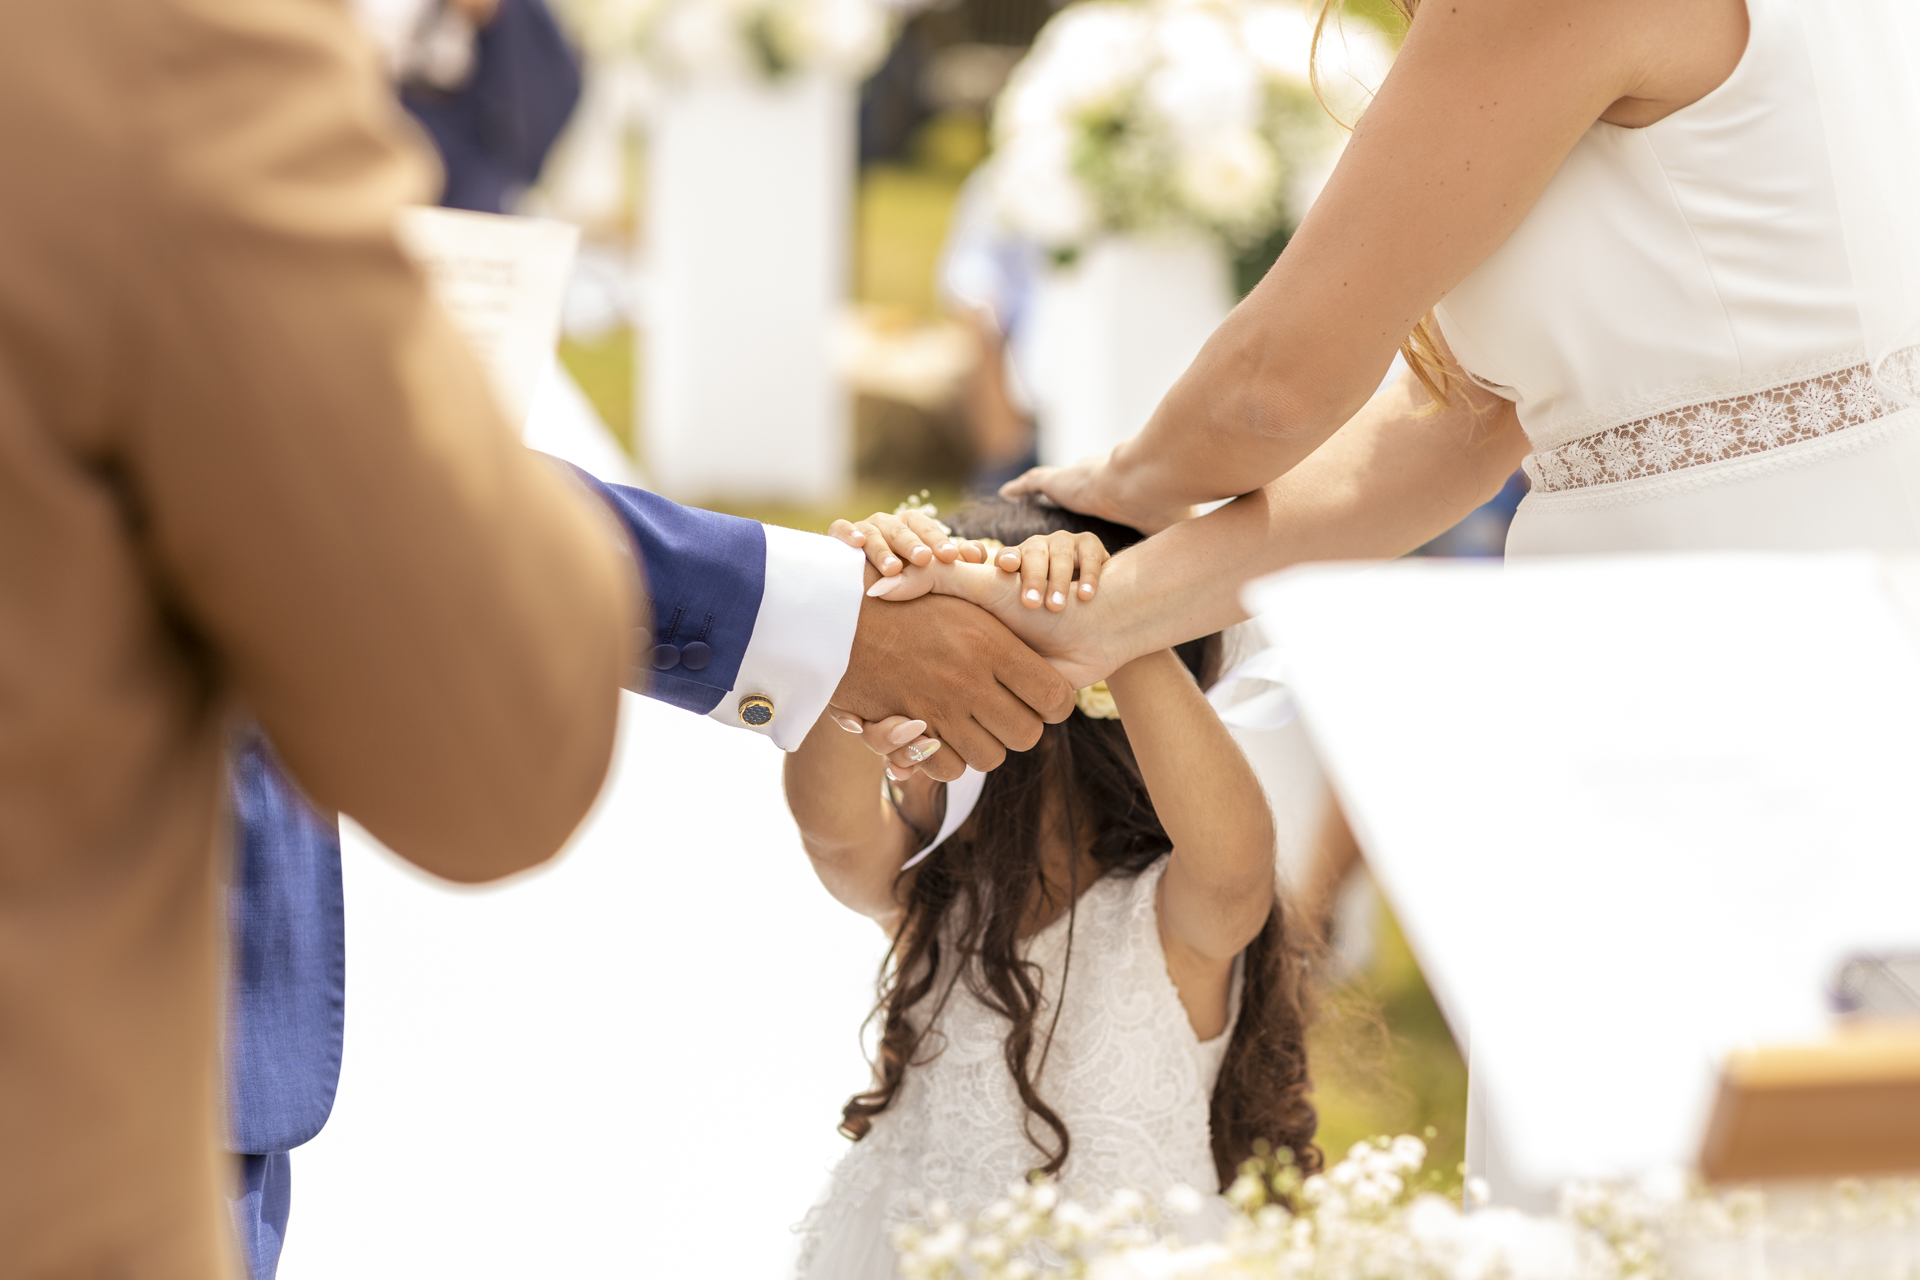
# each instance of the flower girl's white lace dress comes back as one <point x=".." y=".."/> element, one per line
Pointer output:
<point x="1125" y="1072"/>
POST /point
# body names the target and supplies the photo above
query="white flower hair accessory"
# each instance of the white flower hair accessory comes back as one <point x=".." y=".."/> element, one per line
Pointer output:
<point x="1096" y="702"/>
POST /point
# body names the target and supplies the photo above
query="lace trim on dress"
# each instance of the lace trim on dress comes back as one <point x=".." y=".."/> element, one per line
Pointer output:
<point x="1713" y="431"/>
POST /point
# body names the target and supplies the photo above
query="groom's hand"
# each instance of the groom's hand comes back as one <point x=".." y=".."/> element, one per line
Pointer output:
<point x="981" y="691"/>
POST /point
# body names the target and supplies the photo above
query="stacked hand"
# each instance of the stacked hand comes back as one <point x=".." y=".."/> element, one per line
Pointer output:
<point x="1028" y="589"/>
<point x="1092" y="488"/>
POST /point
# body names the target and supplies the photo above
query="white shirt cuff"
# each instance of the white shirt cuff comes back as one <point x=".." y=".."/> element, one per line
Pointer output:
<point x="803" y="635"/>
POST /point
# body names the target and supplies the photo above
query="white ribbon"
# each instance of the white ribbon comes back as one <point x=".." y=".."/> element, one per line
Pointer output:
<point x="963" y="793"/>
<point x="1254" y="695"/>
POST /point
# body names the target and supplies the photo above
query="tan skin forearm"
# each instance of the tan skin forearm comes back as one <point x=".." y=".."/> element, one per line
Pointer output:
<point x="1385" y="484"/>
<point x="1218" y="887"/>
<point x="852" y="835"/>
<point x="1395" y="477"/>
<point x="1483" y="104"/>
<point x="1209" y="801"/>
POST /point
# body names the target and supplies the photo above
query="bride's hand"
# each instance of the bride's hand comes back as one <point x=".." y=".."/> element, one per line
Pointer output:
<point x="1088" y="487"/>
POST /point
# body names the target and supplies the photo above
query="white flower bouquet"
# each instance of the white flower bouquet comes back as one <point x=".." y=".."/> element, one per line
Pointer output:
<point x="756" y="39"/>
<point x="1380" y="1215"/>
<point x="1171" y="115"/>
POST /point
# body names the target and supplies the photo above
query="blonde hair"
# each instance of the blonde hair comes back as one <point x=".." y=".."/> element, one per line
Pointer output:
<point x="1420" y="349"/>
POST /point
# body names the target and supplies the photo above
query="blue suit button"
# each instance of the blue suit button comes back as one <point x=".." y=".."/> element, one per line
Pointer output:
<point x="694" y="656"/>
<point x="666" y="657"/>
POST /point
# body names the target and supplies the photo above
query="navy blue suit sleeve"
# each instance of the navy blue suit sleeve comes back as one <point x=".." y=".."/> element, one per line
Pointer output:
<point x="705" y="576"/>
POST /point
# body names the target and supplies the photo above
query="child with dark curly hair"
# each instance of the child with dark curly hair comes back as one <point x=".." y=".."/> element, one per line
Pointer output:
<point x="1091" y="974"/>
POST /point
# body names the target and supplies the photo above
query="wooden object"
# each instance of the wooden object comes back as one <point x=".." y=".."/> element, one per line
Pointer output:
<point x="1846" y="1106"/>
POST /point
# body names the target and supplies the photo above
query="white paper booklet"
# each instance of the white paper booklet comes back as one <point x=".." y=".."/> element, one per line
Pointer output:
<point x="502" y="280"/>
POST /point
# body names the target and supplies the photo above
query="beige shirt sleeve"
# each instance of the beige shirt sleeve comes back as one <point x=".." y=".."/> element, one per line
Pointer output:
<point x="429" y="620"/>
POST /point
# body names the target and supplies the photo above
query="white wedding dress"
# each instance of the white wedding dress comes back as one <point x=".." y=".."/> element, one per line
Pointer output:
<point x="1691" y="320"/>
<point x="1678" y="324"/>
<point x="1125" y="1073"/>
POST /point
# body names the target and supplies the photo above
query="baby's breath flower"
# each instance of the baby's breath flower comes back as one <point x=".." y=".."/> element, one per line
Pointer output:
<point x="1183" y="1201"/>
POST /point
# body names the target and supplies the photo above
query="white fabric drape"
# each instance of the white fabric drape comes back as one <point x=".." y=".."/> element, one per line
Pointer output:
<point x="1866" y="65"/>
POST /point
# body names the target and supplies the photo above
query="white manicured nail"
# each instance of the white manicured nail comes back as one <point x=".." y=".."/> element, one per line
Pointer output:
<point x="883" y="586"/>
<point x="907" y="732"/>
<point x="850" y="724"/>
<point x="1058" y="598"/>
<point x="1033" y="595"/>
<point x="920" y="751"/>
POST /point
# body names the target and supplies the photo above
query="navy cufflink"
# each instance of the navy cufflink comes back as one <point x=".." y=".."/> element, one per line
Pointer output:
<point x="756" y="710"/>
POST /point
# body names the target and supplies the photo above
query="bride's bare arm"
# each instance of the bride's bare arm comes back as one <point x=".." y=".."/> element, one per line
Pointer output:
<point x="1485" y="100"/>
<point x="1394" y="477"/>
<point x="1389" y="481"/>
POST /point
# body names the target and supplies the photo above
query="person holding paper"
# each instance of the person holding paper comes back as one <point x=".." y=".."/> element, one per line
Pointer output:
<point x="247" y="465"/>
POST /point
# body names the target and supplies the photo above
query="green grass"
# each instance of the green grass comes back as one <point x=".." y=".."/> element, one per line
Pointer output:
<point x="604" y="368"/>
<point x="1384" y="1062"/>
<point x="901" y="218"/>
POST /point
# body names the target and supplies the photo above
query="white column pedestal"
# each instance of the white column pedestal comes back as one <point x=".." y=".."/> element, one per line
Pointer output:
<point x="748" y="194"/>
<point x="1113" y="331"/>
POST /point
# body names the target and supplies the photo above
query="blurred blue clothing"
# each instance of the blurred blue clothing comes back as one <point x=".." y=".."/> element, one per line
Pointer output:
<point x="1483" y="532"/>
<point x="986" y="267"/>
<point x="260" y="1211"/>
<point x="287" y="1003"/>
<point x="493" y="132"/>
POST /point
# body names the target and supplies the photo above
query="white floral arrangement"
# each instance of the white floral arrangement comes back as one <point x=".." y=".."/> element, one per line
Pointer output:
<point x="1173" y="115"/>
<point x="765" y="40"/>
<point x="1380" y="1215"/>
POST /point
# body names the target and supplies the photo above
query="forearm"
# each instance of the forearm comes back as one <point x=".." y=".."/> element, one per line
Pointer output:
<point x="1238" y="417"/>
<point x="1389" y="481"/>
<point x="852" y="836"/>
<point x="1203" y="789"/>
<point x="1218" y="887"/>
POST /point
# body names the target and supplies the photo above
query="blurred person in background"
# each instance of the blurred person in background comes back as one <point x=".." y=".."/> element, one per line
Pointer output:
<point x="493" y="82"/>
<point x="987" y="276"/>
<point x="254" y="475"/>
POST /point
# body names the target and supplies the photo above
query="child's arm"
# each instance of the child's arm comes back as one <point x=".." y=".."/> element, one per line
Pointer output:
<point x="852" y="833"/>
<point x="1218" y="888"/>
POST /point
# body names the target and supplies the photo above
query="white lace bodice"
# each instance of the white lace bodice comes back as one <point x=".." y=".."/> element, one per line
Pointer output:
<point x="1125" y="1073"/>
<point x="1698" y="259"/>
